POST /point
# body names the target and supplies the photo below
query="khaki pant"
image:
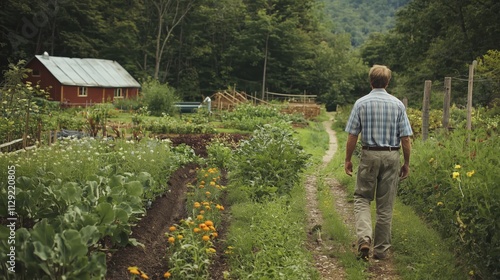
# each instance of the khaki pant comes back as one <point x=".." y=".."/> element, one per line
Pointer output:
<point x="378" y="177"/>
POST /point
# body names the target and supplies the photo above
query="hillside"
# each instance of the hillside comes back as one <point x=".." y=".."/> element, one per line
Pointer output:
<point x="359" y="18"/>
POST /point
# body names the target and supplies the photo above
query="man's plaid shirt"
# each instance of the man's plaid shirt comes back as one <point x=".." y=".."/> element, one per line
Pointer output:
<point x="380" y="118"/>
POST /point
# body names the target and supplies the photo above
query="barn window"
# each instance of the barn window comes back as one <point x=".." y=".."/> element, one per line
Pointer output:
<point x="118" y="92"/>
<point x="35" y="73"/>
<point x="82" y="91"/>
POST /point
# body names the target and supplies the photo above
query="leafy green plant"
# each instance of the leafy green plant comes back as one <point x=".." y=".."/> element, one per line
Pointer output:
<point x="269" y="163"/>
<point x="160" y="98"/>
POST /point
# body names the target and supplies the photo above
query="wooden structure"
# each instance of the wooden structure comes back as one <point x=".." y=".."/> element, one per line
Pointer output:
<point x="81" y="81"/>
<point x="302" y="104"/>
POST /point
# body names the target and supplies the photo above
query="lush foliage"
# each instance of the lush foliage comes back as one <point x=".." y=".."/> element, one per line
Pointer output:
<point x="197" y="47"/>
<point x="159" y="98"/>
<point x="21" y="104"/>
<point x="360" y="18"/>
<point x="249" y="117"/>
<point x="436" y="39"/>
<point x="454" y="185"/>
<point x="168" y="124"/>
<point x="88" y="191"/>
<point x="269" y="163"/>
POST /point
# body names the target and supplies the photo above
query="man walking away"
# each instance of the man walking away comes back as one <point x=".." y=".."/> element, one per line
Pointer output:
<point x="381" y="120"/>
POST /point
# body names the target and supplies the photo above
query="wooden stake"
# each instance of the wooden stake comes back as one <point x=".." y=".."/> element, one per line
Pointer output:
<point x="425" y="110"/>
<point x="469" y="96"/>
<point x="446" y="103"/>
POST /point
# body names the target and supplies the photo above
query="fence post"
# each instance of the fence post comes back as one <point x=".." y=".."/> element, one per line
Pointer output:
<point x="469" y="97"/>
<point x="446" y="103"/>
<point x="425" y="109"/>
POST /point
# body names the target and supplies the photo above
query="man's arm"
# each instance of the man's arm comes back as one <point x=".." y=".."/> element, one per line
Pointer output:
<point x="350" y="146"/>
<point x="405" y="169"/>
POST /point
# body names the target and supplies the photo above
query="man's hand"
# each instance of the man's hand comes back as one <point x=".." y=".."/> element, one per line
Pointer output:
<point x="348" y="168"/>
<point x="405" y="171"/>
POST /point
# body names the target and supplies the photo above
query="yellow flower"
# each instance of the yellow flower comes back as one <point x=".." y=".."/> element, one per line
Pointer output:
<point x="458" y="166"/>
<point x="144" y="276"/>
<point x="180" y="237"/>
<point x="470" y="173"/>
<point x="171" y="239"/>
<point x="134" y="270"/>
<point x="212" y="183"/>
<point x="199" y="217"/>
<point x="167" y="275"/>
<point x="172" y="228"/>
<point x="197" y="205"/>
<point x="205" y="238"/>
<point x="440" y="203"/>
<point x="431" y="160"/>
<point x="196" y="230"/>
<point x="455" y="175"/>
<point x="211" y="250"/>
<point x="207" y="193"/>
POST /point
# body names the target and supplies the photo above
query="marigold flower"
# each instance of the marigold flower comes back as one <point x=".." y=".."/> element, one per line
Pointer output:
<point x="202" y="183"/>
<point x="202" y="211"/>
<point x="470" y="173"/>
<point x="197" y="205"/>
<point x="134" y="270"/>
<point x="212" y="228"/>
<point x="455" y="175"/>
<point x="207" y="207"/>
<point x="196" y="230"/>
<point x="172" y="228"/>
<point x="171" y="239"/>
<point x="209" y="223"/>
<point x="144" y="276"/>
<point x="457" y="166"/>
<point x="180" y="237"/>
<point x="167" y="275"/>
<point x="215" y="234"/>
<point x="199" y="217"/>
<point x="205" y="238"/>
<point x="207" y="193"/>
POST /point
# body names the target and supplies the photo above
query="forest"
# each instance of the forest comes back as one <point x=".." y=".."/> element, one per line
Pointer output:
<point x="289" y="46"/>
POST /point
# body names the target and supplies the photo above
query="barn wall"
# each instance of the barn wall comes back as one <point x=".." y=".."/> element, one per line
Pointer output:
<point x="46" y="80"/>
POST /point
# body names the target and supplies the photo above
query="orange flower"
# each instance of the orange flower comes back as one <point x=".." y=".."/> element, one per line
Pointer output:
<point x="171" y="240"/>
<point x="172" y="228"/>
<point x="209" y="223"/>
<point x="167" y="275"/>
<point x="144" y="276"/>
<point x="199" y="217"/>
<point x="134" y="270"/>
<point x="197" y="205"/>
<point x="215" y="234"/>
<point x="205" y="238"/>
<point x="196" y="230"/>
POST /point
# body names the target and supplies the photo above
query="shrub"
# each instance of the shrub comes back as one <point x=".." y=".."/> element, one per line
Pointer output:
<point x="269" y="163"/>
<point x="160" y="98"/>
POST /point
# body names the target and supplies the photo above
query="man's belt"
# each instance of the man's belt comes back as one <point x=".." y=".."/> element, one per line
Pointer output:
<point x="380" y="148"/>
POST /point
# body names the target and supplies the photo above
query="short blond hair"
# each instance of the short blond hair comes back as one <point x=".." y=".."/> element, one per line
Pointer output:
<point x="380" y="75"/>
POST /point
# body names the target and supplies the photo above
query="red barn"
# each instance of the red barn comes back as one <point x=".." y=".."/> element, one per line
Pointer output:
<point x="81" y="81"/>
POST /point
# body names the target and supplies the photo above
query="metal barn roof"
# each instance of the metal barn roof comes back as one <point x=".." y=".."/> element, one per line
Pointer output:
<point x="89" y="72"/>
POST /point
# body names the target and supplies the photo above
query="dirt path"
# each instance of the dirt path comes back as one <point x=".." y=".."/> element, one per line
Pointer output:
<point x="328" y="266"/>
